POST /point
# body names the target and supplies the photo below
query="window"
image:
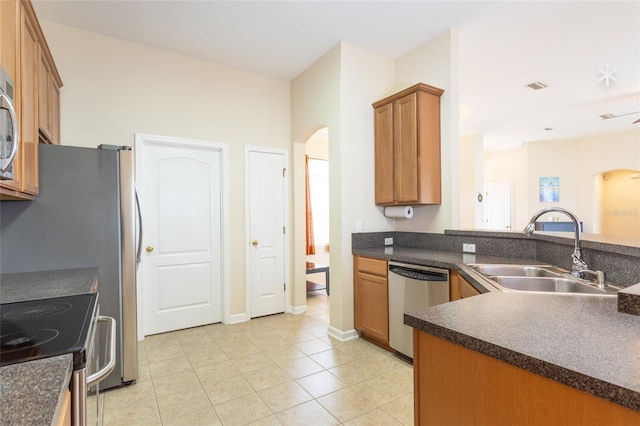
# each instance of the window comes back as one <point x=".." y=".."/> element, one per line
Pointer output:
<point x="319" y="189"/>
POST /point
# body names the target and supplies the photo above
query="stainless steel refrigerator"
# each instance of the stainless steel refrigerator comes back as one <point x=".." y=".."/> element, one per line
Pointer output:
<point x="84" y="216"/>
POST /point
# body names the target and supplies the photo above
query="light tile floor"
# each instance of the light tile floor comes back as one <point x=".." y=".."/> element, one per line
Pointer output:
<point x="276" y="370"/>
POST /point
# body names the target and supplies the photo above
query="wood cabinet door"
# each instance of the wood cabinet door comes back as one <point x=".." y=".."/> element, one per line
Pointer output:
<point x="383" y="119"/>
<point x="374" y="303"/>
<point x="405" y="175"/>
<point x="8" y="38"/>
<point x="55" y="112"/>
<point x="44" y="99"/>
<point x="29" y="65"/>
<point x="9" y="32"/>
<point x="428" y="156"/>
<point x="460" y="288"/>
<point x="466" y="289"/>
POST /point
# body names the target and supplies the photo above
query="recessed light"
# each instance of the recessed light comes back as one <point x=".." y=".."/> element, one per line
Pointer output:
<point x="536" y="85"/>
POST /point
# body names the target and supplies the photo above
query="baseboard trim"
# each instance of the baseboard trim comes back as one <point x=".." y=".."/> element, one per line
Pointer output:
<point x="343" y="336"/>
<point x="297" y="310"/>
<point x="237" y="318"/>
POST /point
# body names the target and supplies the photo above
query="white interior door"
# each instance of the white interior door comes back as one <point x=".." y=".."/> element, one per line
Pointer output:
<point x="180" y="183"/>
<point x="266" y="231"/>
<point x="498" y="205"/>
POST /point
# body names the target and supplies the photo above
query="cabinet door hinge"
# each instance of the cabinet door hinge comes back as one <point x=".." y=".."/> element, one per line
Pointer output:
<point x="284" y="171"/>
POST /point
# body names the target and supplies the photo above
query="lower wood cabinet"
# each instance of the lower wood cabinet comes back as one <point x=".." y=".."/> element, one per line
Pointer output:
<point x="460" y="288"/>
<point x="458" y="386"/>
<point x="64" y="418"/>
<point x="371" y="299"/>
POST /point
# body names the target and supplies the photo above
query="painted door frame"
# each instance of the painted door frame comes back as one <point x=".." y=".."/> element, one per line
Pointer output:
<point x="247" y="231"/>
<point x="223" y="148"/>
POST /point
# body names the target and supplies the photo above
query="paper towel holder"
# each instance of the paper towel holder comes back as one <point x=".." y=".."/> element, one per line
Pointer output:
<point x="398" y="212"/>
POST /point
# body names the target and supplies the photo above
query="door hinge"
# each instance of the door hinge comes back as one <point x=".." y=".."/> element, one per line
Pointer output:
<point x="284" y="230"/>
<point x="285" y="286"/>
<point x="284" y="171"/>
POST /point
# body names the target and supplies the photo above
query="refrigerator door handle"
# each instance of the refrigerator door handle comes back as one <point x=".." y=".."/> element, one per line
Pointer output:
<point x="139" y="248"/>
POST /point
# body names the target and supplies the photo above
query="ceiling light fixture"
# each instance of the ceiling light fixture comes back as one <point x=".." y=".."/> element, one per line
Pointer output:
<point x="536" y="85"/>
<point x="609" y="116"/>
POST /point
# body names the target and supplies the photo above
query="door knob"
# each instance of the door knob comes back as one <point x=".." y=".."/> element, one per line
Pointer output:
<point x="254" y="242"/>
<point x="149" y="249"/>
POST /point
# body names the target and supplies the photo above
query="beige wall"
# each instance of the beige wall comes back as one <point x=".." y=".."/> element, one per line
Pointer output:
<point x="619" y="210"/>
<point x="318" y="145"/>
<point x="511" y="166"/>
<point x="577" y="162"/>
<point x="471" y="173"/>
<point x="113" y="89"/>
<point x="436" y="63"/>
<point x="315" y="95"/>
<point x="337" y="91"/>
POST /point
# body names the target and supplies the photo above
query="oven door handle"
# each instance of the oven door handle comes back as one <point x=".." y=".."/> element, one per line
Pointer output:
<point x="108" y="368"/>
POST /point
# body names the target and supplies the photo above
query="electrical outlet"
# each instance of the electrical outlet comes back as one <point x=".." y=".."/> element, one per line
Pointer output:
<point x="468" y="248"/>
<point x="388" y="241"/>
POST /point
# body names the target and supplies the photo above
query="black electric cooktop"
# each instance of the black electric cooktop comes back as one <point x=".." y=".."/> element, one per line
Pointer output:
<point x="44" y="328"/>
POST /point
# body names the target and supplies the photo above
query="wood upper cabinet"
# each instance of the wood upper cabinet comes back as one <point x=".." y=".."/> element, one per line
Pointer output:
<point x="25" y="56"/>
<point x="407" y="147"/>
<point x="371" y="298"/>
<point x="384" y="149"/>
<point x="28" y="117"/>
<point x="49" y="101"/>
<point x="9" y="30"/>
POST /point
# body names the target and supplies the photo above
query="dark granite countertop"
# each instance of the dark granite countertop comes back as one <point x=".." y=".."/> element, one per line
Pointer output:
<point x="32" y="392"/>
<point x="46" y="284"/>
<point x="579" y="340"/>
<point x="440" y="259"/>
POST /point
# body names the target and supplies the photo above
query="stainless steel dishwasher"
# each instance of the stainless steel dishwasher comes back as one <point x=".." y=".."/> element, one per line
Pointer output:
<point x="412" y="287"/>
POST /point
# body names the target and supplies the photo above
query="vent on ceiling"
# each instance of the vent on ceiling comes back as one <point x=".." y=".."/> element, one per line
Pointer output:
<point x="608" y="116"/>
<point x="536" y="85"/>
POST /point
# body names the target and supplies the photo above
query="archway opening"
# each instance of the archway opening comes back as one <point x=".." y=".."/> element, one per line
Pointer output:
<point x="317" y="223"/>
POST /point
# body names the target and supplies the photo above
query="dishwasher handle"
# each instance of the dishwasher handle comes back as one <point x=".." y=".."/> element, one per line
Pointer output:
<point x="415" y="274"/>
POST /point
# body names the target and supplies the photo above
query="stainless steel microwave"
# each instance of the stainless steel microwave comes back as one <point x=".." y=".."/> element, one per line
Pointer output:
<point x="9" y="128"/>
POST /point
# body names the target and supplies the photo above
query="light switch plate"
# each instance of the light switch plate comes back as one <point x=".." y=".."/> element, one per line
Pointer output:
<point x="468" y="248"/>
<point x="388" y="241"/>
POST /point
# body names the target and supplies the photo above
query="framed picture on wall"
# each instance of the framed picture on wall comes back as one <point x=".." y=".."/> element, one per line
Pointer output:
<point x="549" y="189"/>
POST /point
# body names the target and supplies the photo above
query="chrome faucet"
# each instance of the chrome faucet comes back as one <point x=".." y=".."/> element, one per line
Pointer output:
<point x="578" y="265"/>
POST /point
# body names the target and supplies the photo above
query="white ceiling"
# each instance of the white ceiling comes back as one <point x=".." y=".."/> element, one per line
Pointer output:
<point x="503" y="47"/>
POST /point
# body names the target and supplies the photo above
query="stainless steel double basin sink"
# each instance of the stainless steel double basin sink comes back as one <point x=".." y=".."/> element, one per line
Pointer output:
<point x="539" y="278"/>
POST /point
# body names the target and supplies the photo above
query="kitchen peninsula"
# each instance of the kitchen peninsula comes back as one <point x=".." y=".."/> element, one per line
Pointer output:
<point x="525" y="358"/>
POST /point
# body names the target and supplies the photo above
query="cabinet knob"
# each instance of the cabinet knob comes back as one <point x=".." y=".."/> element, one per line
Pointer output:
<point x="254" y="242"/>
<point x="149" y="249"/>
